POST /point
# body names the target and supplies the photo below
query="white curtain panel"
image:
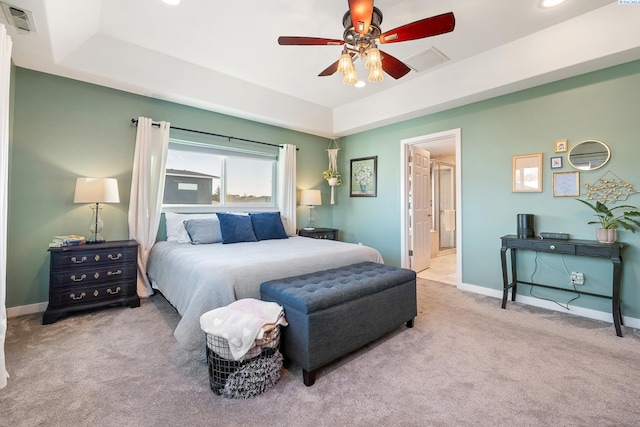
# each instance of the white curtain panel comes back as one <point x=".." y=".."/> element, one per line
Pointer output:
<point x="287" y="185"/>
<point x="147" y="188"/>
<point x="5" y="74"/>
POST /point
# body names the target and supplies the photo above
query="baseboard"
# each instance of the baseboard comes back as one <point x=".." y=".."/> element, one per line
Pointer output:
<point x="632" y="322"/>
<point x="27" y="309"/>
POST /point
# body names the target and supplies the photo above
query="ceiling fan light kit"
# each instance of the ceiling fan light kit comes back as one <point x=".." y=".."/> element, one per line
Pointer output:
<point x="361" y="32"/>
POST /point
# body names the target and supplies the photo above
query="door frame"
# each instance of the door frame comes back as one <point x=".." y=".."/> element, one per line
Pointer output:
<point x="404" y="211"/>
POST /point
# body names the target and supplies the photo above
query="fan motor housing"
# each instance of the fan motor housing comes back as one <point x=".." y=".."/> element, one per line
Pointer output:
<point x="351" y="35"/>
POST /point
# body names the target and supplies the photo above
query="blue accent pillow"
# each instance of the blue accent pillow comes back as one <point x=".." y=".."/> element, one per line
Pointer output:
<point x="236" y="228"/>
<point x="203" y="230"/>
<point x="268" y="225"/>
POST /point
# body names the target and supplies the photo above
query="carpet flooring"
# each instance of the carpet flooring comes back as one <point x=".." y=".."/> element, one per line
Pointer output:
<point x="465" y="363"/>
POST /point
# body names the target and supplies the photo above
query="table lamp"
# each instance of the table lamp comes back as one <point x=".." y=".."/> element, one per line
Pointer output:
<point x="310" y="198"/>
<point x="96" y="191"/>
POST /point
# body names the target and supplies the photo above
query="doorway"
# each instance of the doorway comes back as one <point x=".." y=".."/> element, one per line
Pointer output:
<point x="445" y="234"/>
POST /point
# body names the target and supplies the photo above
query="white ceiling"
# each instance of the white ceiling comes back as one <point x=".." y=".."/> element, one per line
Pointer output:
<point x="224" y="56"/>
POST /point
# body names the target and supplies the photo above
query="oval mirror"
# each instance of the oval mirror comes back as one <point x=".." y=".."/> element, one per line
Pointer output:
<point x="589" y="155"/>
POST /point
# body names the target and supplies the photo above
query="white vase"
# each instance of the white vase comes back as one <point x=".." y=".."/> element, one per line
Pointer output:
<point x="606" y="235"/>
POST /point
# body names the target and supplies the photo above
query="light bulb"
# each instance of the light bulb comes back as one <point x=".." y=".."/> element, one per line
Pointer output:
<point x="376" y="75"/>
<point x="374" y="60"/>
<point x="345" y="65"/>
<point x="351" y="77"/>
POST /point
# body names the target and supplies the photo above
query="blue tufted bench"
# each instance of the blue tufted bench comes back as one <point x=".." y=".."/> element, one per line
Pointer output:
<point x="334" y="312"/>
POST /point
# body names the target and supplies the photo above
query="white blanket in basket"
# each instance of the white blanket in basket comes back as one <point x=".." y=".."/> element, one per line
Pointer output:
<point x="242" y="322"/>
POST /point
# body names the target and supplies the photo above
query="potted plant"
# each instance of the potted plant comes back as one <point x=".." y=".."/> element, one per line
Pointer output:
<point x="610" y="219"/>
<point x="333" y="178"/>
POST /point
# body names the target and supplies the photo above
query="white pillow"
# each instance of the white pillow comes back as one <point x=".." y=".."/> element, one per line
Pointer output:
<point x="175" y="225"/>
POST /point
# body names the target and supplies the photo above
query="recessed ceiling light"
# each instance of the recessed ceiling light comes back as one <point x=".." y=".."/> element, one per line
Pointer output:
<point x="172" y="2"/>
<point x="360" y="83"/>
<point x="550" y="3"/>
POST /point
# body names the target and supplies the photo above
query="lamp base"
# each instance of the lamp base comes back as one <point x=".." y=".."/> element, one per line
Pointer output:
<point x="90" y="242"/>
<point x="309" y="228"/>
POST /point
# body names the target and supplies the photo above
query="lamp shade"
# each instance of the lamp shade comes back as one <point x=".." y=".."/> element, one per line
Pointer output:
<point x="310" y="198"/>
<point x="96" y="190"/>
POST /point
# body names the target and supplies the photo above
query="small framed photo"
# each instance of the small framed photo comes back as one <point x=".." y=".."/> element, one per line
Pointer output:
<point x="364" y="177"/>
<point x="566" y="184"/>
<point x="526" y="173"/>
<point x="561" y="145"/>
<point x="556" y="162"/>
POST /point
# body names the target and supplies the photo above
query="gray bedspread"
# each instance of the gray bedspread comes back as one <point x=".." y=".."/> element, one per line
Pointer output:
<point x="199" y="278"/>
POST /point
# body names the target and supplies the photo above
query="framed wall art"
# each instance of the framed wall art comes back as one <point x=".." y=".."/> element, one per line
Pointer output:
<point x="561" y="145"/>
<point x="566" y="184"/>
<point x="364" y="177"/>
<point x="527" y="173"/>
<point x="556" y="162"/>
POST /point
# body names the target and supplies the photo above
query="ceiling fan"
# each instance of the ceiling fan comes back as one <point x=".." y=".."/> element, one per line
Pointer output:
<point x="361" y="32"/>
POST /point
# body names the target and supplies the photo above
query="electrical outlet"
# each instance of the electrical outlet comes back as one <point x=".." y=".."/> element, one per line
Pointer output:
<point x="577" y="278"/>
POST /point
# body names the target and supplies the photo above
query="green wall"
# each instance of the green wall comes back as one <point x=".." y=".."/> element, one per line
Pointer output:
<point x="602" y="105"/>
<point x="63" y="129"/>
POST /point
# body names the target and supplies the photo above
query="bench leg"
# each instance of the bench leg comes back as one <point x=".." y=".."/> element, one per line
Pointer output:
<point x="410" y="323"/>
<point x="308" y="377"/>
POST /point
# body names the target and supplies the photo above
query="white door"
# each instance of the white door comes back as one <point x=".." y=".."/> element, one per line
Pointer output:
<point x="419" y="208"/>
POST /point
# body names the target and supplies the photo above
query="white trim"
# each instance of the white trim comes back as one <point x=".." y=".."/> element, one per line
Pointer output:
<point x="604" y="316"/>
<point x="404" y="150"/>
<point x="27" y="309"/>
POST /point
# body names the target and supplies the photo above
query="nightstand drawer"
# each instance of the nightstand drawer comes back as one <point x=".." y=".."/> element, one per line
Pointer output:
<point x="87" y="256"/>
<point x="89" y="294"/>
<point x="92" y="276"/>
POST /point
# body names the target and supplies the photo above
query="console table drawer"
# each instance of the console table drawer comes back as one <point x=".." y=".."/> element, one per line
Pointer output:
<point x="561" y="248"/>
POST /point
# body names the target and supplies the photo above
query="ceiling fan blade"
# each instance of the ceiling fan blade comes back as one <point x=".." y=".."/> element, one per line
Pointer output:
<point x="330" y="70"/>
<point x="427" y="27"/>
<point x="361" y="12"/>
<point x="393" y="66"/>
<point x="308" y="41"/>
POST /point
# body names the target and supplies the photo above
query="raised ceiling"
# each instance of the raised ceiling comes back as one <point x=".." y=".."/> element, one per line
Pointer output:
<point x="224" y="56"/>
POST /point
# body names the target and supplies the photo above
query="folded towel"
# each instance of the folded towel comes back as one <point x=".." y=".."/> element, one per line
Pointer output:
<point x="241" y="323"/>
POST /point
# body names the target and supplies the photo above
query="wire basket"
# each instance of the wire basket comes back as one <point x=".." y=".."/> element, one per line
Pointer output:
<point x="256" y="372"/>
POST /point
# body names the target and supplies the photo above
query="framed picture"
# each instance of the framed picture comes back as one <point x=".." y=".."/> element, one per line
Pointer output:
<point x="566" y="184"/>
<point x="561" y="145"/>
<point x="556" y="162"/>
<point x="527" y="173"/>
<point x="364" y="177"/>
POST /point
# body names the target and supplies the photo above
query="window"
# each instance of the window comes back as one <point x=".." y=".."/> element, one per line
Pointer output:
<point x="202" y="174"/>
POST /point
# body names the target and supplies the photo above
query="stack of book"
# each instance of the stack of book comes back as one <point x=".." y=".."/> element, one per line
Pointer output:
<point x="70" y="240"/>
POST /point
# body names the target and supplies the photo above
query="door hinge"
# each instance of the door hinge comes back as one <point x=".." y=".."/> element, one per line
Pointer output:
<point x="410" y="252"/>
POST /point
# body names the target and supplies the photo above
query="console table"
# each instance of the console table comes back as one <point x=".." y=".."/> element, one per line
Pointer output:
<point x="590" y="248"/>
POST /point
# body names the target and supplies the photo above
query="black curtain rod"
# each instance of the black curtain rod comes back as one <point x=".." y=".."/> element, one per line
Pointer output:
<point x="135" y="121"/>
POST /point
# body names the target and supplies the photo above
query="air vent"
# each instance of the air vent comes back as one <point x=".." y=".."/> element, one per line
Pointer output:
<point x="19" y="18"/>
<point x="429" y="58"/>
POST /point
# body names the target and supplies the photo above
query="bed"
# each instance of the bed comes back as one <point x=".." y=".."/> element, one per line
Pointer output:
<point x="196" y="278"/>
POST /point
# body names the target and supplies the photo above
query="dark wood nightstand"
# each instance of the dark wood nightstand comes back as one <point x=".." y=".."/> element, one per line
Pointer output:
<point x="90" y="276"/>
<point x="320" y="233"/>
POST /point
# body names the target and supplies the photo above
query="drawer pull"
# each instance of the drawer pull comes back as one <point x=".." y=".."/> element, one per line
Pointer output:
<point x="73" y="296"/>
<point x="114" y="273"/>
<point x="76" y="279"/>
<point x="97" y="258"/>
<point x="96" y="293"/>
<point x="76" y="261"/>
<point x="115" y="258"/>
<point x="552" y="247"/>
<point x="117" y="291"/>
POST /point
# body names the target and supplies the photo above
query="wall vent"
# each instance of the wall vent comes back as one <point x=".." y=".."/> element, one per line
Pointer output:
<point x="429" y="58"/>
<point x="20" y="18"/>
